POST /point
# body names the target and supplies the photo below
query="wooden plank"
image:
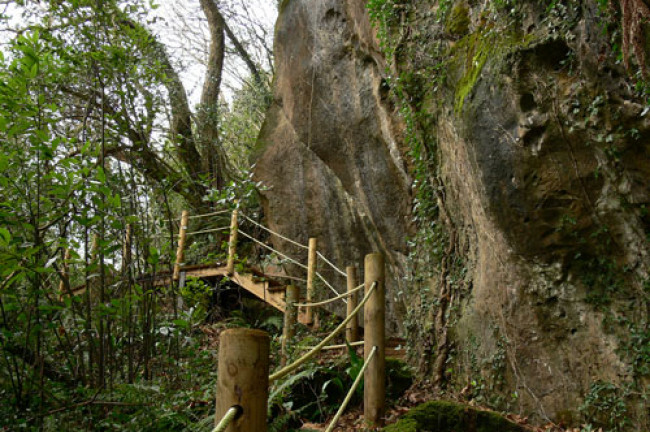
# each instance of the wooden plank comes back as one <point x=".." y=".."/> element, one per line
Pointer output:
<point x="265" y="290"/>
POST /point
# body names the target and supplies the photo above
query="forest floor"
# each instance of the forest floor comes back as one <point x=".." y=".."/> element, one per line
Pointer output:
<point x="417" y="394"/>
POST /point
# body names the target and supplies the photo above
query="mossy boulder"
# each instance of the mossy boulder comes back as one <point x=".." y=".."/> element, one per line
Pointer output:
<point x="442" y="416"/>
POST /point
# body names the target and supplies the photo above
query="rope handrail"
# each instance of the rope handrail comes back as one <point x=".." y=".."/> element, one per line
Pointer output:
<point x="215" y="213"/>
<point x="328" y="285"/>
<point x="293" y="261"/>
<point x="332" y="347"/>
<point x="271" y="249"/>
<point x="333" y="299"/>
<point x="299" y="362"/>
<point x="274" y="233"/>
<point x="355" y="384"/>
<point x="207" y="231"/>
<point x="338" y="270"/>
<point x="226" y="420"/>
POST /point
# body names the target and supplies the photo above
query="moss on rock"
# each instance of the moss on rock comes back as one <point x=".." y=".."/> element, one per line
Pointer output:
<point x="443" y="416"/>
<point x="457" y="24"/>
<point x="471" y="54"/>
<point x="477" y="55"/>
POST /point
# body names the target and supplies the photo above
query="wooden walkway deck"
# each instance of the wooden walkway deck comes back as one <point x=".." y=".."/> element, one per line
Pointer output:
<point x="264" y="286"/>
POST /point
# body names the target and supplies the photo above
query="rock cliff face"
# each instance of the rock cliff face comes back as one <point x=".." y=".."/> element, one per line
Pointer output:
<point x="327" y="148"/>
<point x="527" y="283"/>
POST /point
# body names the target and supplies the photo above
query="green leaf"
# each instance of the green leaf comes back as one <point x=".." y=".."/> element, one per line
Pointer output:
<point x="33" y="73"/>
<point x="5" y="236"/>
<point x="181" y="323"/>
<point x="101" y="175"/>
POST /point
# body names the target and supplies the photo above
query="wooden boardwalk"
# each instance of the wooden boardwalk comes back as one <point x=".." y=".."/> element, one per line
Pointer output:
<point x="265" y="286"/>
<point x="261" y="285"/>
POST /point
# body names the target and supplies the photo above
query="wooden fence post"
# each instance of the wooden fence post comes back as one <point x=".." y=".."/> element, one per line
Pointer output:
<point x="292" y="294"/>
<point x="232" y="243"/>
<point x="180" y="251"/>
<point x="352" y="329"/>
<point x="374" y="391"/>
<point x="243" y="378"/>
<point x="311" y="274"/>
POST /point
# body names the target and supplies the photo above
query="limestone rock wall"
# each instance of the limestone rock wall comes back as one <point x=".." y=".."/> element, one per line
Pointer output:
<point x="538" y="154"/>
<point x="327" y="149"/>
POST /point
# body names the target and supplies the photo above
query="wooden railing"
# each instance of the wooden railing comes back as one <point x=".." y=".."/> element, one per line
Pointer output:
<point x="244" y="358"/>
<point x="242" y="391"/>
<point x="245" y="408"/>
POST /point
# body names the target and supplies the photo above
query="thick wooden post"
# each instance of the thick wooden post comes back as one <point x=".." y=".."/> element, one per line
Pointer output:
<point x="374" y="388"/>
<point x="243" y="378"/>
<point x="352" y="329"/>
<point x="180" y="251"/>
<point x="232" y="243"/>
<point x="311" y="274"/>
<point x="292" y="294"/>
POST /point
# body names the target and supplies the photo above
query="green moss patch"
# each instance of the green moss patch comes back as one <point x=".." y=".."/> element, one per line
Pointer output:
<point x="471" y="54"/>
<point x="457" y="24"/>
<point x="442" y="416"/>
<point x="477" y="55"/>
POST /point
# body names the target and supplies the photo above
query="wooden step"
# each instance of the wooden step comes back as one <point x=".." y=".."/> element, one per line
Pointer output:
<point x="396" y="348"/>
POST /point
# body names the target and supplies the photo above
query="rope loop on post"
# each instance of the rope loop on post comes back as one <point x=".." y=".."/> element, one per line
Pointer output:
<point x="231" y="415"/>
<point x="296" y="364"/>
